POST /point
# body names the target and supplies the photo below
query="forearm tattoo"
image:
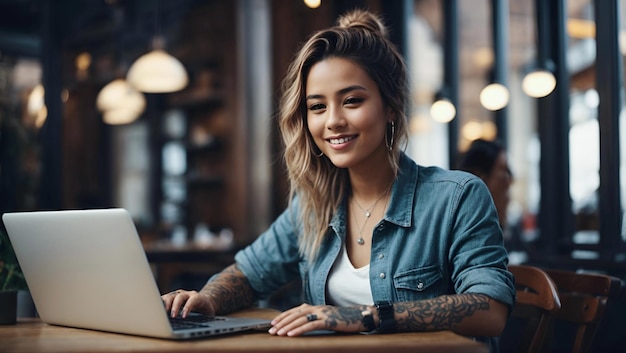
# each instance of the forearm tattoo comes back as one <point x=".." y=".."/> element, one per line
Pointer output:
<point x="348" y="316"/>
<point x="230" y="290"/>
<point x="440" y="313"/>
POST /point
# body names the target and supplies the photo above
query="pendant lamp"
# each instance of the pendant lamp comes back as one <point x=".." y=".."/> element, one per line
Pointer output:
<point x="36" y="105"/>
<point x="157" y="71"/>
<point x="442" y="110"/>
<point x="539" y="82"/>
<point x="120" y="103"/>
<point x="494" y="96"/>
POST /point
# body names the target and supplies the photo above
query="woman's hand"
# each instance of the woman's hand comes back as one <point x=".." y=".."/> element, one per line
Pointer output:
<point x="306" y="318"/>
<point x="184" y="301"/>
<point x="227" y="291"/>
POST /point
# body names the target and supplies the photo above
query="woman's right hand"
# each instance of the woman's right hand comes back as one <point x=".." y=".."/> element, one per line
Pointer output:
<point x="184" y="301"/>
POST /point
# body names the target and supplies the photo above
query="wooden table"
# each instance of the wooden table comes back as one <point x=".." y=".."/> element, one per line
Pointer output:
<point x="31" y="336"/>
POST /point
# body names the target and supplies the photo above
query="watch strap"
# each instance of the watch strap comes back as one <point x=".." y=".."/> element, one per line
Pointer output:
<point x="387" y="322"/>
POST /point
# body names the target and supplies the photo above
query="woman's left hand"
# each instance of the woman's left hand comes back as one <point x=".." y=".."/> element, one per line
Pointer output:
<point x="306" y="318"/>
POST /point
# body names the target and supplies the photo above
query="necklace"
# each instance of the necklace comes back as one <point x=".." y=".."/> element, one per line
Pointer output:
<point x="368" y="213"/>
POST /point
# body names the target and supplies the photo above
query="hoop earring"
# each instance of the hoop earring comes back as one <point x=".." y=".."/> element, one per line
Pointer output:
<point x="389" y="142"/>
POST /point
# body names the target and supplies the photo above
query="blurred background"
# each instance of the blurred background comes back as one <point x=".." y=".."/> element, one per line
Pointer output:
<point x="195" y="156"/>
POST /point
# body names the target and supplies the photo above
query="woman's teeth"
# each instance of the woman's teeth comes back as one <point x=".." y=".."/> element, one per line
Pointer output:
<point x="340" y="140"/>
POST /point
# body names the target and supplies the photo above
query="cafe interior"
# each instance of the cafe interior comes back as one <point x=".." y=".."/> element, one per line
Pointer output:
<point x="167" y="109"/>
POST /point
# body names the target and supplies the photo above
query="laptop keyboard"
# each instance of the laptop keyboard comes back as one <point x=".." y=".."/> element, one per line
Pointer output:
<point x="192" y="321"/>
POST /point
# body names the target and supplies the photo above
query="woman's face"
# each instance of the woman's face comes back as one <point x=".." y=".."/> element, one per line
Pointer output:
<point x="345" y="114"/>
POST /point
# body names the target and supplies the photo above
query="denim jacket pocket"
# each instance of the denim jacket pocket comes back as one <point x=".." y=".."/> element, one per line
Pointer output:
<point x="417" y="284"/>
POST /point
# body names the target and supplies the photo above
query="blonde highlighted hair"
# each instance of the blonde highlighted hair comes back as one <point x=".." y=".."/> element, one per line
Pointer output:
<point x="360" y="37"/>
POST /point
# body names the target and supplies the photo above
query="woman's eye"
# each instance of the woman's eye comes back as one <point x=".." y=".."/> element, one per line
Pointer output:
<point x="353" y="100"/>
<point x="316" y="106"/>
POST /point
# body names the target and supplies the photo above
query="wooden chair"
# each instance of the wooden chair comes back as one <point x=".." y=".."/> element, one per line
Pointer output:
<point x="584" y="298"/>
<point x="529" y="323"/>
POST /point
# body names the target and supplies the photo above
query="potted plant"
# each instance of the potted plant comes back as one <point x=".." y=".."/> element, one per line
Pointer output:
<point x="11" y="280"/>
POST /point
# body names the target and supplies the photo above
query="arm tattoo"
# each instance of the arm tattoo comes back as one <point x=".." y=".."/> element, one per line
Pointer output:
<point x="440" y="313"/>
<point x="347" y="315"/>
<point x="229" y="290"/>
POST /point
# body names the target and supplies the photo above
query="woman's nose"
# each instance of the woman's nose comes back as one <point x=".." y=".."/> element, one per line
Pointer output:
<point x="335" y="118"/>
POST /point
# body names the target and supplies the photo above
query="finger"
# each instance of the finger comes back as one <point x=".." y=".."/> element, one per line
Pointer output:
<point x="180" y="298"/>
<point x="167" y="299"/>
<point x="293" y="313"/>
<point x="198" y="302"/>
<point x="302" y="319"/>
<point x="301" y="325"/>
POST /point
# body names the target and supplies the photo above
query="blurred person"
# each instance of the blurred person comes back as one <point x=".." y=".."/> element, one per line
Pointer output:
<point x="379" y="243"/>
<point x="488" y="160"/>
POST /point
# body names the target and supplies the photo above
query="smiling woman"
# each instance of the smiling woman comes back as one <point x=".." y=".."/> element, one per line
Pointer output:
<point x="379" y="242"/>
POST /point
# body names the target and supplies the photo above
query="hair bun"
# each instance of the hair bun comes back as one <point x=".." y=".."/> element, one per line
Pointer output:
<point x="363" y="19"/>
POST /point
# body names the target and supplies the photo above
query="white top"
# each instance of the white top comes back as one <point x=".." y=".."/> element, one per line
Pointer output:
<point x="348" y="285"/>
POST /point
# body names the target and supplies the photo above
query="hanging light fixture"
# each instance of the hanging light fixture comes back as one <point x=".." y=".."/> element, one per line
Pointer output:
<point x="539" y="82"/>
<point x="313" y="4"/>
<point x="494" y="96"/>
<point x="36" y="106"/>
<point x="120" y="103"/>
<point x="157" y="71"/>
<point x="442" y="110"/>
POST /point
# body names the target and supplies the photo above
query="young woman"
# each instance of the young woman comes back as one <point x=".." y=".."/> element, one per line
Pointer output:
<point x="379" y="242"/>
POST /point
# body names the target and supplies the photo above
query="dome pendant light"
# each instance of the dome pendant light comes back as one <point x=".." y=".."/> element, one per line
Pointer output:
<point x="157" y="71"/>
<point x="120" y="103"/>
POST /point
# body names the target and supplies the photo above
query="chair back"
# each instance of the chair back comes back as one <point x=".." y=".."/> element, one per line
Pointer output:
<point x="529" y="323"/>
<point x="584" y="298"/>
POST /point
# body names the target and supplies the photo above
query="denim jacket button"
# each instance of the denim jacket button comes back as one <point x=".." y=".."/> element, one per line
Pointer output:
<point x="420" y="285"/>
<point x="381" y="256"/>
<point x="382" y="275"/>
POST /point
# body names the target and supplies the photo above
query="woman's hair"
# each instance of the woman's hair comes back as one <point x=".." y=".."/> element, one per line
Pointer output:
<point x="481" y="157"/>
<point x="360" y="37"/>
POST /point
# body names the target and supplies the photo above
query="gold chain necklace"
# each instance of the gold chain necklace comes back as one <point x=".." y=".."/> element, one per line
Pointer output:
<point x="368" y="213"/>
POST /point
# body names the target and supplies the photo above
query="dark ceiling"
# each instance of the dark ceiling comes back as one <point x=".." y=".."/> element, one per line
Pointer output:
<point x="87" y="24"/>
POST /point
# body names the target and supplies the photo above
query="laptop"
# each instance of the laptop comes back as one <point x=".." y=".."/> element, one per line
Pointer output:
<point x="87" y="269"/>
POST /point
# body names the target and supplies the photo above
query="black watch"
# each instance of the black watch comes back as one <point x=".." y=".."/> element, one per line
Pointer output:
<point x="387" y="323"/>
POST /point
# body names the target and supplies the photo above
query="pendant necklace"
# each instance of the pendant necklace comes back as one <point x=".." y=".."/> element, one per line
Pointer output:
<point x="368" y="213"/>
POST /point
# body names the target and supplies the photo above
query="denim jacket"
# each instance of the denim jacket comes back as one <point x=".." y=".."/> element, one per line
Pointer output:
<point x="440" y="235"/>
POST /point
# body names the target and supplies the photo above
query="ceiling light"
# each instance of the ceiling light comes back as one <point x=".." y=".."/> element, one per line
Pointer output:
<point x="36" y="106"/>
<point x="120" y="103"/>
<point x="442" y="110"/>
<point x="157" y="72"/>
<point x="494" y="96"/>
<point x="539" y="83"/>
<point x="314" y="4"/>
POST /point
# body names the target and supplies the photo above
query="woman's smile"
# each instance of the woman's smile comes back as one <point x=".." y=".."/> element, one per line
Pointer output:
<point x="341" y="142"/>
